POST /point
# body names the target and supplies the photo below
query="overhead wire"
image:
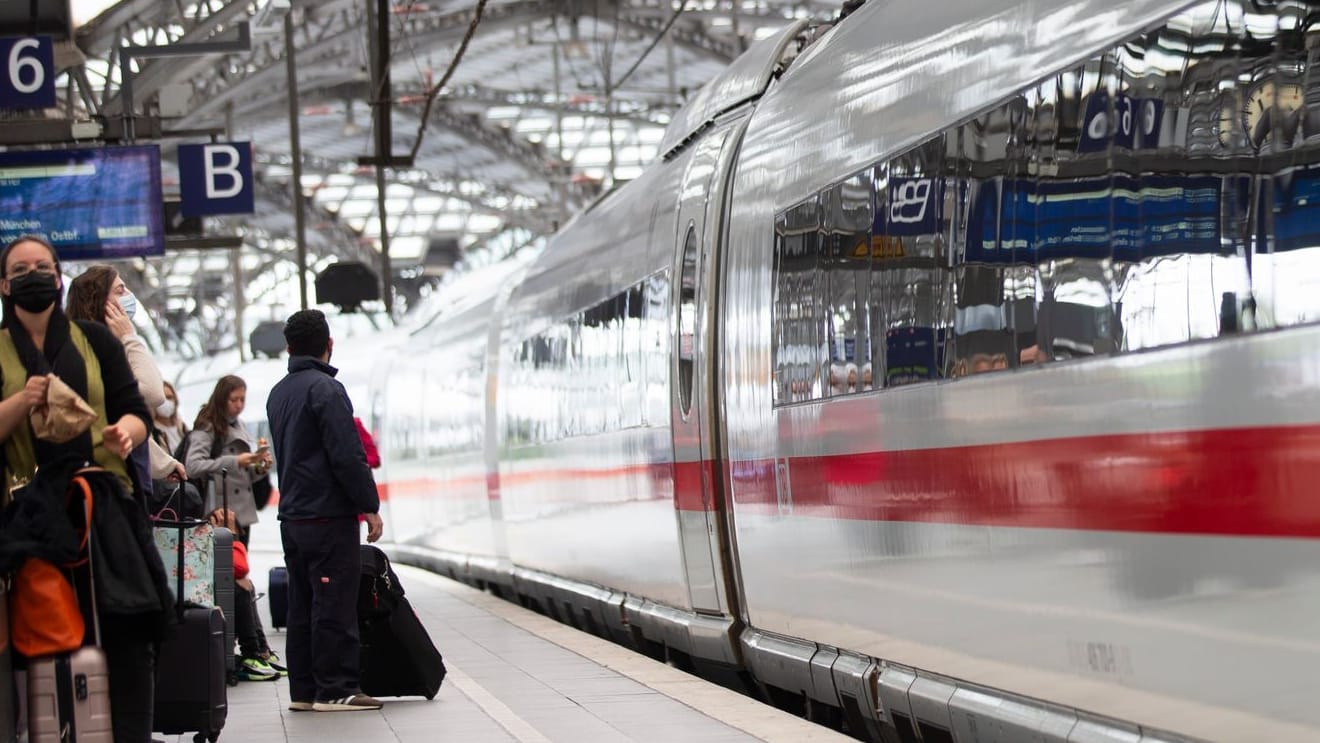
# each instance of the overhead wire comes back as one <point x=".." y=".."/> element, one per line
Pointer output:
<point x="654" y="42"/>
<point x="444" y="79"/>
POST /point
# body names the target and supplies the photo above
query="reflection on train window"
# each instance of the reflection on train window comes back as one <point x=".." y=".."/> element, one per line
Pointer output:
<point x="687" y="321"/>
<point x="1163" y="192"/>
<point x="799" y="306"/>
<point x="592" y="372"/>
<point x="845" y="259"/>
<point x="908" y="273"/>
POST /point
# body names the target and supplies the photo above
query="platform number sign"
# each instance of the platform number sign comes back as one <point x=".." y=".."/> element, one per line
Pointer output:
<point x="28" y="79"/>
<point x="215" y="178"/>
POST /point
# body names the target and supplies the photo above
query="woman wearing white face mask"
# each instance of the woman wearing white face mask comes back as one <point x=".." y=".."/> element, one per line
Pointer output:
<point x="100" y="295"/>
<point x="169" y="425"/>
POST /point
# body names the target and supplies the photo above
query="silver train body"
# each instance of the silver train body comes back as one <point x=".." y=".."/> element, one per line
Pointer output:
<point x="954" y="376"/>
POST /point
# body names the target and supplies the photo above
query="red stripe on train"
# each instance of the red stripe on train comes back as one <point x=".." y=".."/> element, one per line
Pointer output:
<point x="1229" y="482"/>
<point x="1239" y="482"/>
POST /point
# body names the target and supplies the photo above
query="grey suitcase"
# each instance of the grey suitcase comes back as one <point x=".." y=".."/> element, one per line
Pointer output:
<point x="224" y="593"/>
<point x="69" y="698"/>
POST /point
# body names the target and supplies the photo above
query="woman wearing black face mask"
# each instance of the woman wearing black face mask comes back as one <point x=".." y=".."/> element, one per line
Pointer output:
<point x="38" y="339"/>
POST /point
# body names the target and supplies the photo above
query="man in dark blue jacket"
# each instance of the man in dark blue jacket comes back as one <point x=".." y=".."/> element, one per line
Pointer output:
<point x="324" y="485"/>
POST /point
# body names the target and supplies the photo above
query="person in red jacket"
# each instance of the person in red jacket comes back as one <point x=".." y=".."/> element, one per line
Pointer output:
<point x="368" y="444"/>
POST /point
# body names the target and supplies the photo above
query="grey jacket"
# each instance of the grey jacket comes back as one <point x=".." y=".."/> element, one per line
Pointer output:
<point x="205" y="471"/>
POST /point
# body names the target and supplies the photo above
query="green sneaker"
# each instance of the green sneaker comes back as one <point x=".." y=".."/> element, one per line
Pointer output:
<point x="254" y="669"/>
<point x="272" y="659"/>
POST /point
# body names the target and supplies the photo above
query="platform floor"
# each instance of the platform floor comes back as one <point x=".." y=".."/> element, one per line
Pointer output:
<point x="514" y="675"/>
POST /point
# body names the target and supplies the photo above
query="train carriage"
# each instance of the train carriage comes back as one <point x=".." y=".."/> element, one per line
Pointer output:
<point x="953" y="378"/>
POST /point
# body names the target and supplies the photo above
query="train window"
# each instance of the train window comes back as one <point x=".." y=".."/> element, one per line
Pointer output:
<point x="687" y="321"/>
<point x="798" y="309"/>
<point x="845" y="238"/>
<point x="907" y="268"/>
<point x="1280" y="110"/>
<point x="655" y="347"/>
<point x="1181" y="233"/>
<point x="1160" y="193"/>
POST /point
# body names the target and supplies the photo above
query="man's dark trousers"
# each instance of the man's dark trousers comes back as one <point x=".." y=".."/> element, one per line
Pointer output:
<point x="324" y="562"/>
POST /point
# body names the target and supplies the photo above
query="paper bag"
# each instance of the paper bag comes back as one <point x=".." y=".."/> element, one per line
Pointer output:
<point x="64" y="416"/>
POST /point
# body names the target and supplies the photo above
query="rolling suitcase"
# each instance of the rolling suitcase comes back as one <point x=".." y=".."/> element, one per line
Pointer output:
<point x="197" y="660"/>
<point x="278" y="593"/>
<point x="69" y="698"/>
<point x="184" y="543"/>
<point x="224" y="594"/>
<point x="398" y="658"/>
<point x="191" y="693"/>
<point x="68" y="695"/>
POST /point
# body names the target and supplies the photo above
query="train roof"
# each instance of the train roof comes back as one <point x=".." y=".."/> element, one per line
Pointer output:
<point x="894" y="72"/>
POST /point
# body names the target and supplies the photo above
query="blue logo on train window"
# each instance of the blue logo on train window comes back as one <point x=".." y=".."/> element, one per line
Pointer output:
<point x="913" y="207"/>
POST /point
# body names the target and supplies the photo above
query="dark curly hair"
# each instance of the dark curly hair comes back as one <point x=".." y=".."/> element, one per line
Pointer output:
<point x="307" y="333"/>
<point x="89" y="292"/>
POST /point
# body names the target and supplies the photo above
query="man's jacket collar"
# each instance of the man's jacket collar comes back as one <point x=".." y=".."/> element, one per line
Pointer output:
<point x="300" y="363"/>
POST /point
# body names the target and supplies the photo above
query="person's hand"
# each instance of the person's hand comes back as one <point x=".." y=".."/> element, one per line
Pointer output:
<point x="117" y="320"/>
<point x="34" y="392"/>
<point x="117" y="440"/>
<point x="221" y="517"/>
<point x="179" y="474"/>
<point x="265" y="458"/>
<point x="245" y="459"/>
<point x="375" y="527"/>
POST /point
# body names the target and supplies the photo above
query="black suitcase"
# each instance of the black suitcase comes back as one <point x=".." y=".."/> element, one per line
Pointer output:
<point x="191" y="693"/>
<point x="278" y="593"/>
<point x="193" y="664"/>
<point x="398" y="658"/>
<point x="222" y="579"/>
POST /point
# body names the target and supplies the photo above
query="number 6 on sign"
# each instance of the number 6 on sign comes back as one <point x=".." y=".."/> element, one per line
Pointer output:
<point x="28" y="79"/>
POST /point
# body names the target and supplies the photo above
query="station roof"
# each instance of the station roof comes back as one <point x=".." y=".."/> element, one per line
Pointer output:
<point x="552" y="101"/>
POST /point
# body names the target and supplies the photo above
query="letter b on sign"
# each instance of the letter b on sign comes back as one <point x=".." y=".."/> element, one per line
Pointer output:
<point x="215" y="178"/>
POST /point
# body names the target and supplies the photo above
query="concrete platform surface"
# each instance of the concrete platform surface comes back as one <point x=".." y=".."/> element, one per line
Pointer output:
<point x="514" y="675"/>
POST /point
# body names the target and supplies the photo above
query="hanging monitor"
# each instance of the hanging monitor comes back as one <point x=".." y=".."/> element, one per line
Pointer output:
<point x="96" y="204"/>
<point x="52" y="19"/>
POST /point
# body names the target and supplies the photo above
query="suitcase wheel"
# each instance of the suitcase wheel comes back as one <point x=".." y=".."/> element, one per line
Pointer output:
<point x="206" y="737"/>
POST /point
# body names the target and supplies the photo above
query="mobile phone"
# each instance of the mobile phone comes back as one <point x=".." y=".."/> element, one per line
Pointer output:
<point x="263" y="449"/>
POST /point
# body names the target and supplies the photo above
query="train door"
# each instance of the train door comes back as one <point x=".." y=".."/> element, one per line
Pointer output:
<point x="696" y="472"/>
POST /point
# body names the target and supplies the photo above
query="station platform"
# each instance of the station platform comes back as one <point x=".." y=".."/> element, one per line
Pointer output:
<point x="513" y="675"/>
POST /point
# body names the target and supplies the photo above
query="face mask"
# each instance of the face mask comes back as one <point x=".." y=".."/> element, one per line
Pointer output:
<point x="129" y="303"/>
<point x="166" y="409"/>
<point x="34" y="291"/>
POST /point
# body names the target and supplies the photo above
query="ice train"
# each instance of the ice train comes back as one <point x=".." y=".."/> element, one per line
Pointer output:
<point x="953" y="375"/>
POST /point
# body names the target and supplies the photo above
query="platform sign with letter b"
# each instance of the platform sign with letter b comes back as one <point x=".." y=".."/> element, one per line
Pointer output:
<point x="27" y="72"/>
<point x="215" y="178"/>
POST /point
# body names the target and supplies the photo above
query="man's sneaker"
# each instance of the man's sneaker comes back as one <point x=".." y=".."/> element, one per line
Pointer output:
<point x="348" y="704"/>
<point x="253" y="669"/>
<point x="301" y="706"/>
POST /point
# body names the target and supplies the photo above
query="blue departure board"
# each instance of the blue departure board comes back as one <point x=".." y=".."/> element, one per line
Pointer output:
<point x="90" y="204"/>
